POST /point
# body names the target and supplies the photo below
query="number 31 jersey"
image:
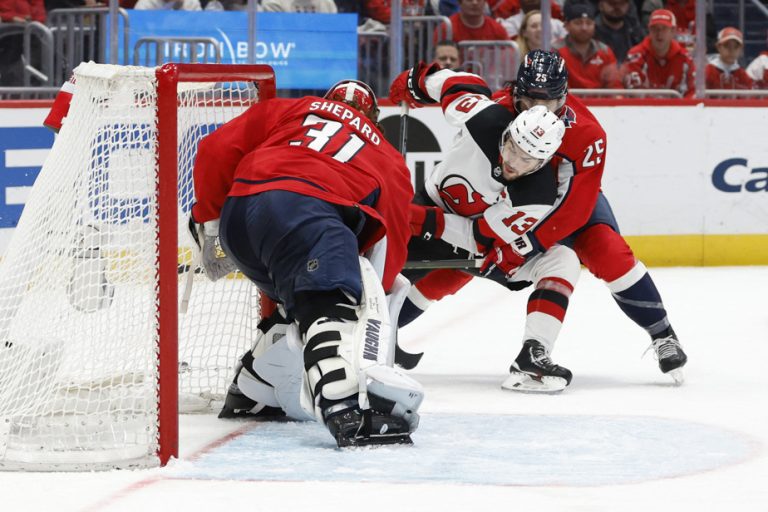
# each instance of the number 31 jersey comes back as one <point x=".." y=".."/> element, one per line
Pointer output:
<point x="314" y="147"/>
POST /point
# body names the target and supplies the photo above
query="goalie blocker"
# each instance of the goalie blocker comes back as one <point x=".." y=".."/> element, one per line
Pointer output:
<point x="344" y="379"/>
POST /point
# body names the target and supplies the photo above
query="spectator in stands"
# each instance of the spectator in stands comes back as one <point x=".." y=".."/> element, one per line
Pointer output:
<point x="310" y="6"/>
<point x="471" y="23"/>
<point x="22" y="11"/>
<point x="659" y="62"/>
<point x="447" y="55"/>
<point x="372" y="13"/>
<point x="590" y="63"/>
<point x="512" y="23"/>
<point x="529" y="38"/>
<point x="724" y="71"/>
<point x="758" y="70"/>
<point x="170" y="5"/>
<point x="14" y="14"/>
<point x="685" y="20"/>
<point x="616" y="27"/>
<point x="507" y="8"/>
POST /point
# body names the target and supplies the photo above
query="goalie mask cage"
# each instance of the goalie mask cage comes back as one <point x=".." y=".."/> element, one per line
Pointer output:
<point x="95" y="360"/>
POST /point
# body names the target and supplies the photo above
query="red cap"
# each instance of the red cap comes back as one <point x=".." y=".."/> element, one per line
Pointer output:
<point x="729" y="33"/>
<point x="662" y="17"/>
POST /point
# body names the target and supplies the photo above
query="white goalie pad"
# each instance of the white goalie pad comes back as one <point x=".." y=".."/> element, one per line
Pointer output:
<point x="282" y="365"/>
<point x="393" y="385"/>
<point x="367" y="350"/>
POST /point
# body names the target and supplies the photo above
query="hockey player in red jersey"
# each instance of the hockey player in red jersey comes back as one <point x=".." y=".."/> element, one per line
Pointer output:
<point x="296" y="190"/>
<point x="492" y="186"/>
<point x="581" y="217"/>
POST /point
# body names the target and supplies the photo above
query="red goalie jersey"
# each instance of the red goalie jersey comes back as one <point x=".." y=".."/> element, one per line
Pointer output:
<point x="314" y="147"/>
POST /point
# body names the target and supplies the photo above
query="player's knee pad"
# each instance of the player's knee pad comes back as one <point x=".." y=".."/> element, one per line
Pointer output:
<point x="604" y="252"/>
<point x="559" y="263"/>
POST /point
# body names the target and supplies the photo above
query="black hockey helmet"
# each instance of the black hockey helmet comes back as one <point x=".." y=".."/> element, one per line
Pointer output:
<point x="542" y="76"/>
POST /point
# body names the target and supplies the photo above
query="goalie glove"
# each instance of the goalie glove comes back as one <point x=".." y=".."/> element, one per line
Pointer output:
<point x="427" y="222"/>
<point x="409" y="86"/>
<point x="215" y="262"/>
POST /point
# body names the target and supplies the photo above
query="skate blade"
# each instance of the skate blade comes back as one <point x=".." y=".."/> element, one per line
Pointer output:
<point x="677" y="375"/>
<point x="524" y="383"/>
<point x="373" y="441"/>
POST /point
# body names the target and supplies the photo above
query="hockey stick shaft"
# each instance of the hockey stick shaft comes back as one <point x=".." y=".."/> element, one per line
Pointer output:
<point x="188" y="282"/>
<point x="460" y="264"/>
<point x="403" y="128"/>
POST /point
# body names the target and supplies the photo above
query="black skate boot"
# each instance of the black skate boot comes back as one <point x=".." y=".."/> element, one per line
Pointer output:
<point x="534" y="372"/>
<point x="670" y="354"/>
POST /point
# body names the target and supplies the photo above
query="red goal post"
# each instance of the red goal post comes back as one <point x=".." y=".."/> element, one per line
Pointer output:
<point x="95" y="360"/>
<point x="168" y="78"/>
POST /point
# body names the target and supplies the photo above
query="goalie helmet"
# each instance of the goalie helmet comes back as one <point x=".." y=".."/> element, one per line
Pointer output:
<point x="541" y="79"/>
<point x="357" y="95"/>
<point x="530" y="141"/>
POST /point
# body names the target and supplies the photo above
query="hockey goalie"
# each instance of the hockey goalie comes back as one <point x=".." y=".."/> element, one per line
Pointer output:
<point x="310" y="202"/>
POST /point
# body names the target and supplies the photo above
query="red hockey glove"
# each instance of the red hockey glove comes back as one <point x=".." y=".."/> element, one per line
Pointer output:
<point x="409" y="86"/>
<point x="498" y="254"/>
<point x="427" y="222"/>
<point x="503" y="257"/>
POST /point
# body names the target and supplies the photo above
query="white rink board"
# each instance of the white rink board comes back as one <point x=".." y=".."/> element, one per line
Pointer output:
<point x="660" y="165"/>
<point x="658" y="177"/>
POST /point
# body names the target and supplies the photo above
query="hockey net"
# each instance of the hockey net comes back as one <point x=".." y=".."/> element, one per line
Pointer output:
<point x="92" y="346"/>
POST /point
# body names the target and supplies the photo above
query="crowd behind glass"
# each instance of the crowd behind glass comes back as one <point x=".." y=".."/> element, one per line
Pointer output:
<point x="607" y="44"/>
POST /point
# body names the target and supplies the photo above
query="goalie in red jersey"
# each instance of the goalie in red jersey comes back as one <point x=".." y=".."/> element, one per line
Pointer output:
<point x="581" y="217"/>
<point x="310" y="202"/>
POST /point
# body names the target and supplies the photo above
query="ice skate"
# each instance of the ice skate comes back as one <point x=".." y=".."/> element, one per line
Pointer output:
<point x="534" y="372"/>
<point x="670" y="355"/>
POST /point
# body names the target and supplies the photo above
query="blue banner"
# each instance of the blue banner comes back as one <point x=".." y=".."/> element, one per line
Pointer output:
<point x="307" y="51"/>
<point x="18" y="170"/>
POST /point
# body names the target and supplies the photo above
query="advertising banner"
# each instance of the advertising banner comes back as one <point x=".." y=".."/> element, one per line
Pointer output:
<point x="295" y="45"/>
<point x="688" y="185"/>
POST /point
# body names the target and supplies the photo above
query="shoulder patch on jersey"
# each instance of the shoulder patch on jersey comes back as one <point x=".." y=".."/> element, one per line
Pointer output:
<point x="568" y="116"/>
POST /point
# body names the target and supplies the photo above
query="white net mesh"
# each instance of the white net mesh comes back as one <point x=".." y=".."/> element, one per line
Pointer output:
<point x="78" y="292"/>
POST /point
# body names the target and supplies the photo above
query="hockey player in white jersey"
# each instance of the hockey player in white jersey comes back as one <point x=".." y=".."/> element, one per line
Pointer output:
<point x="483" y="198"/>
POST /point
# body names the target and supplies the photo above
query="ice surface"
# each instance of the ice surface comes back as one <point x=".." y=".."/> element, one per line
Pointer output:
<point x="621" y="437"/>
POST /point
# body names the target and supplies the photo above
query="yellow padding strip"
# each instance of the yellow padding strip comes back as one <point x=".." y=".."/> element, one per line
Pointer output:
<point x="700" y="250"/>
